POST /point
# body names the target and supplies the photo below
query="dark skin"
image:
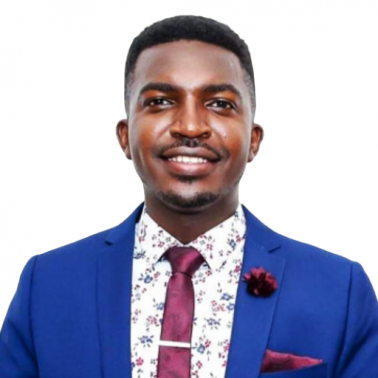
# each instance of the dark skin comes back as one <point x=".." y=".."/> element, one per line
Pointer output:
<point x="189" y="98"/>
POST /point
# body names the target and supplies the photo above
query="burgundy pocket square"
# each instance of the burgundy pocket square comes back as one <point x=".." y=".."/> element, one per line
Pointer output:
<point x="275" y="361"/>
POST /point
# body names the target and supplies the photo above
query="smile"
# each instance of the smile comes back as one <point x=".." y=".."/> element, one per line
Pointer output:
<point x="189" y="166"/>
<point x="188" y="159"/>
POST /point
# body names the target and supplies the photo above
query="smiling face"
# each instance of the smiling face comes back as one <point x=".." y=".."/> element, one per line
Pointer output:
<point x="189" y="131"/>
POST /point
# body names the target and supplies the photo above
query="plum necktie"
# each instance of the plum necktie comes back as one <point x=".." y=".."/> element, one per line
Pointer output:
<point x="174" y="349"/>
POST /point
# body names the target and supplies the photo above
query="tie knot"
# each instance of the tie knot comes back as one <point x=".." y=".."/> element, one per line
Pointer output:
<point x="184" y="259"/>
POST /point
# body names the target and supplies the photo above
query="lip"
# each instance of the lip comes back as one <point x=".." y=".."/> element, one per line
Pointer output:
<point x="189" y="169"/>
<point x="194" y="152"/>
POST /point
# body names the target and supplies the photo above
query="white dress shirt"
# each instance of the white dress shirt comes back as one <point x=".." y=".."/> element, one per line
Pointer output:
<point x="215" y="285"/>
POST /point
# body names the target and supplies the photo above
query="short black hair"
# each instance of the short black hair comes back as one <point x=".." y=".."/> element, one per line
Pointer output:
<point x="190" y="28"/>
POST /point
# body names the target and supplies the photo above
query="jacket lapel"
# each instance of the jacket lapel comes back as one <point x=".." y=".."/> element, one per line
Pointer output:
<point x="114" y="271"/>
<point x="253" y="316"/>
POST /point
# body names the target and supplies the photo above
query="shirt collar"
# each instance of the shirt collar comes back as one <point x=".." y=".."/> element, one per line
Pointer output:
<point x="215" y="245"/>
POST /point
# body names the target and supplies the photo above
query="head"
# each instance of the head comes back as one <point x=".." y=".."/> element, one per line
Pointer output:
<point x="190" y="104"/>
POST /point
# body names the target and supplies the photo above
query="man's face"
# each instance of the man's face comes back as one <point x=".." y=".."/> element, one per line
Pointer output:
<point x="189" y="131"/>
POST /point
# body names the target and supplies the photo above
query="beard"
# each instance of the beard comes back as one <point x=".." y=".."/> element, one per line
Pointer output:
<point x="196" y="200"/>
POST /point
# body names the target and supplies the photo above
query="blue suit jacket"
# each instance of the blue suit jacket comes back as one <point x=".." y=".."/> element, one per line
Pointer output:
<point x="70" y="316"/>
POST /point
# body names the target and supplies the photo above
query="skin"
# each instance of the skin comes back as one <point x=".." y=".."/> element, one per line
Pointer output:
<point x="218" y="122"/>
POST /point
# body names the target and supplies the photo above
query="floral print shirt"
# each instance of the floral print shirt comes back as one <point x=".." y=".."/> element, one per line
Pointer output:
<point x="215" y="285"/>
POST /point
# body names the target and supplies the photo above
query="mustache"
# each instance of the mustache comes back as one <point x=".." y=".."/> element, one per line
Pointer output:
<point x="192" y="143"/>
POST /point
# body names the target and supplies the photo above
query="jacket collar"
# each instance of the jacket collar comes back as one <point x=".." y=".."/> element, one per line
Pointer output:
<point x="262" y="234"/>
<point x="123" y="230"/>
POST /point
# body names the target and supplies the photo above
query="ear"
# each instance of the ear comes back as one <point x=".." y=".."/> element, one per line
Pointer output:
<point x="122" y="131"/>
<point x="257" y="136"/>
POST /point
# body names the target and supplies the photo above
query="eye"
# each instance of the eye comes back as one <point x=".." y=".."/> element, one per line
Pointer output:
<point x="222" y="104"/>
<point x="157" y="102"/>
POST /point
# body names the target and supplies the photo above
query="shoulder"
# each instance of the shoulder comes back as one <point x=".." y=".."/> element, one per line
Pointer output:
<point x="304" y="262"/>
<point x="293" y="251"/>
<point x="81" y="256"/>
<point x="89" y="246"/>
<point x="68" y="267"/>
<point x="309" y="265"/>
<point x="83" y="248"/>
<point x="306" y="252"/>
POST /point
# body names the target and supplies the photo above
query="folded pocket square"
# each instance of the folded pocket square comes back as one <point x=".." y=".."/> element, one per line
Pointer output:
<point x="275" y="361"/>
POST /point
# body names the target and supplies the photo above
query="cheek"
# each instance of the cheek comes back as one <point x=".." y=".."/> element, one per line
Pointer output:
<point x="143" y="142"/>
<point x="140" y="144"/>
<point x="238" y="144"/>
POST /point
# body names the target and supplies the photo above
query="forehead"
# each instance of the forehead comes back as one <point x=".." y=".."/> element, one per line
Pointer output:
<point x="189" y="64"/>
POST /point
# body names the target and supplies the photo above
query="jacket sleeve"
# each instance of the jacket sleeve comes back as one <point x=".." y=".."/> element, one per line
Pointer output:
<point x="17" y="355"/>
<point x="359" y="356"/>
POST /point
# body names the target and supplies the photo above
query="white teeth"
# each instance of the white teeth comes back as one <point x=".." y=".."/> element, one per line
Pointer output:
<point x="188" y="159"/>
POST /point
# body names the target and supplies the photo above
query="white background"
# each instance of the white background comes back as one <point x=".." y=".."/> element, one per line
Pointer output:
<point x="63" y="175"/>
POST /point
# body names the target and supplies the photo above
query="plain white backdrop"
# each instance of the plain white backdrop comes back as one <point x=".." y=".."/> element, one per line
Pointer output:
<point x="64" y="176"/>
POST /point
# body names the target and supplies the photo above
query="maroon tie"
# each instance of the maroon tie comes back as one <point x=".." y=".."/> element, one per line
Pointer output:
<point x="174" y="361"/>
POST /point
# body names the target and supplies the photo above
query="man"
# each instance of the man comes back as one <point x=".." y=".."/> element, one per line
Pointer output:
<point x="191" y="284"/>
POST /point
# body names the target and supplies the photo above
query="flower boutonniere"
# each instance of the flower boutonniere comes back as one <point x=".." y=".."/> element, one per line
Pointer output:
<point x="260" y="282"/>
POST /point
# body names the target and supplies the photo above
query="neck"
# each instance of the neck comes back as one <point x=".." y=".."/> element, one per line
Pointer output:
<point x="186" y="225"/>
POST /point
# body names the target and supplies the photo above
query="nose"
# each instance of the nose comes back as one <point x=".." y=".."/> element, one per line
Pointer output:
<point x="190" y="122"/>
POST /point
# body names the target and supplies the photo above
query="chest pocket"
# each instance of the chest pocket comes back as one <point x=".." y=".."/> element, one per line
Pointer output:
<point x="316" y="371"/>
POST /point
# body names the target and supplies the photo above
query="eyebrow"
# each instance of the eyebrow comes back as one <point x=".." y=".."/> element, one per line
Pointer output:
<point x="216" y="88"/>
<point x="208" y="89"/>
<point x="161" y="87"/>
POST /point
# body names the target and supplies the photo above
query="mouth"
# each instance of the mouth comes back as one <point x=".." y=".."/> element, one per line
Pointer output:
<point x="189" y="165"/>
<point x="194" y="161"/>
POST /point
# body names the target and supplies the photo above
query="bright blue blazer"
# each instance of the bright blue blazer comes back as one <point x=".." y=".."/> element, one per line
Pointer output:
<point x="70" y="316"/>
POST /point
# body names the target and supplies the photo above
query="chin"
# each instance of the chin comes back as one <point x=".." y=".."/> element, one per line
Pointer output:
<point x="194" y="201"/>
